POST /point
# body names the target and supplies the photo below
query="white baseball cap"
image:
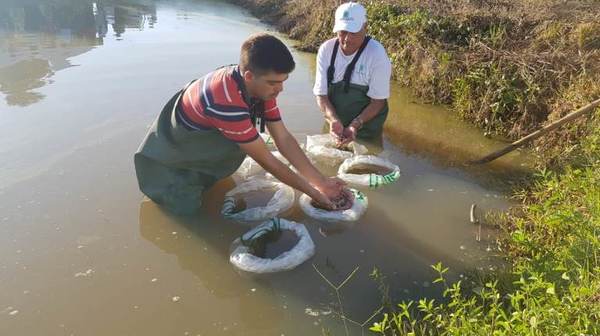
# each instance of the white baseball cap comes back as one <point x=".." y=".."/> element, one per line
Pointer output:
<point x="350" y="16"/>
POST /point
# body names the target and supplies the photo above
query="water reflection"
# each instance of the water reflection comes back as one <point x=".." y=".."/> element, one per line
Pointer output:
<point x="18" y="81"/>
<point x="38" y="37"/>
<point x="187" y="240"/>
<point x="201" y="247"/>
<point x="55" y="190"/>
<point x="130" y="14"/>
<point x="433" y="132"/>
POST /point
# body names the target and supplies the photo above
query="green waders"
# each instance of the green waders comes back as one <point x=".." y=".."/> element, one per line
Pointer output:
<point x="348" y="105"/>
<point x="175" y="165"/>
<point x="350" y="99"/>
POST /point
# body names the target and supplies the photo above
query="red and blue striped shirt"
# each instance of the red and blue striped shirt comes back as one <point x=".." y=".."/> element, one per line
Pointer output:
<point x="219" y="101"/>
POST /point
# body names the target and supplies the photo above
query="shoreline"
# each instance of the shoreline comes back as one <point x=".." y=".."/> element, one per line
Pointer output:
<point x="508" y="74"/>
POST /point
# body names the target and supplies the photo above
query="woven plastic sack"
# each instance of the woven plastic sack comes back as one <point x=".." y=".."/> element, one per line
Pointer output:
<point x="243" y="259"/>
<point x="249" y="167"/>
<point x="359" y="206"/>
<point x="321" y="147"/>
<point x="282" y="200"/>
<point x="371" y="180"/>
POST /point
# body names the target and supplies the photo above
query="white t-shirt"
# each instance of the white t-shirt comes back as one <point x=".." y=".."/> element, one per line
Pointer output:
<point x="373" y="69"/>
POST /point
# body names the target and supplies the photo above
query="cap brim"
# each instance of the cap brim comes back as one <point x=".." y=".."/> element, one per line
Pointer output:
<point x="352" y="27"/>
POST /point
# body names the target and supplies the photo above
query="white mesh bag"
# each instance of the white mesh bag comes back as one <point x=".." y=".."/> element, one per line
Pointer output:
<point x="243" y="258"/>
<point x="359" y="206"/>
<point x="282" y="200"/>
<point x="250" y="168"/>
<point x="370" y="180"/>
<point x="321" y="147"/>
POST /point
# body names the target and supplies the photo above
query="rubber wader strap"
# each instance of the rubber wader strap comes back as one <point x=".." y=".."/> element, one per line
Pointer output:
<point x="349" y="68"/>
<point x="331" y="68"/>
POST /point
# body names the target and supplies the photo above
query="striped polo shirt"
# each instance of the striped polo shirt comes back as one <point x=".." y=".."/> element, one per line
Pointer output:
<point x="219" y="101"/>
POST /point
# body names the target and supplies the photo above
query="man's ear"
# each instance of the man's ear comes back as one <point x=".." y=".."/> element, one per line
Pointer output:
<point x="248" y="75"/>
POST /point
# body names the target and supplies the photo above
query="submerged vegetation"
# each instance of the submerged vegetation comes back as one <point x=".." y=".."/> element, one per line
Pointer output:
<point x="509" y="67"/>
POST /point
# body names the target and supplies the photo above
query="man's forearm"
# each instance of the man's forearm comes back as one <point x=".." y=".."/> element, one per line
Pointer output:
<point x="258" y="151"/>
<point x="284" y="174"/>
<point x="290" y="149"/>
<point x="327" y="108"/>
<point x="371" y="111"/>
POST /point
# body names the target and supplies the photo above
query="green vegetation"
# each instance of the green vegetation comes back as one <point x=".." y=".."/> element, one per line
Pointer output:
<point x="502" y="71"/>
<point x="552" y="286"/>
<point x="509" y="67"/>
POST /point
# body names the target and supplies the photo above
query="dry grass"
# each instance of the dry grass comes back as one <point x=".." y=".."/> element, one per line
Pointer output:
<point x="507" y="66"/>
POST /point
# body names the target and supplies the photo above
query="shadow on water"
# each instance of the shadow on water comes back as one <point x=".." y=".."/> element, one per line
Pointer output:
<point x="211" y="269"/>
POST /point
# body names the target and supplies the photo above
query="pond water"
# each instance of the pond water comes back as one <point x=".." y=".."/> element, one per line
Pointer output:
<point x="83" y="253"/>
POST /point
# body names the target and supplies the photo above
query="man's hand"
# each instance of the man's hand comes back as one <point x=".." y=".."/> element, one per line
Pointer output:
<point x="336" y="192"/>
<point x="336" y="129"/>
<point x="335" y="125"/>
<point x="323" y="201"/>
<point x="332" y="187"/>
<point x="348" y="135"/>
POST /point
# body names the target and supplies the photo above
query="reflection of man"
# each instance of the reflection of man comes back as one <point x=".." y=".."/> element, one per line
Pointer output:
<point x="204" y="253"/>
<point x="100" y="20"/>
<point x="205" y="131"/>
<point x="352" y="83"/>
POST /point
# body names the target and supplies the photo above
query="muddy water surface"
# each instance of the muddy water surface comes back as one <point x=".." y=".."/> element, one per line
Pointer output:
<point x="84" y="254"/>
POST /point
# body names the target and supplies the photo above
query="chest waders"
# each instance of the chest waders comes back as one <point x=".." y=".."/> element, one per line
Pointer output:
<point x="174" y="165"/>
<point x="350" y="99"/>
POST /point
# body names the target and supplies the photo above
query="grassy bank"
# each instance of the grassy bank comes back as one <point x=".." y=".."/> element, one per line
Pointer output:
<point x="552" y="283"/>
<point x="509" y="67"/>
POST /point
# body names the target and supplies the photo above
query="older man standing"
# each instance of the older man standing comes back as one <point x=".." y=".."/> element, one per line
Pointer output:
<point x="352" y="83"/>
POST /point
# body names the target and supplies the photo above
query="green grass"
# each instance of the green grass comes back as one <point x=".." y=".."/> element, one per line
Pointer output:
<point x="509" y="67"/>
<point x="552" y="284"/>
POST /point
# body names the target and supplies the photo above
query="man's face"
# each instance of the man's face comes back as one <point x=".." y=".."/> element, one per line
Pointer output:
<point x="351" y="42"/>
<point x="265" y="86"/>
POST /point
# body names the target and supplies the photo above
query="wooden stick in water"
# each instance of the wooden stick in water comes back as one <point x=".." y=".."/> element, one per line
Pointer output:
<point x="571" y="116"/>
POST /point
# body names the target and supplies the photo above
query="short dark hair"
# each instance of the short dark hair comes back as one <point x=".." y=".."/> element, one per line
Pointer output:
<point x="262" y="53"/>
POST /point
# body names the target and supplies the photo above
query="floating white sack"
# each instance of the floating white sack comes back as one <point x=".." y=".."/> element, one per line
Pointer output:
<point x="282" y="200"/>
<point x="322" y="147"/>
<point x="249" y="167"/>
<point x="371" y="180"/>
<point x="243" y="259"/>
<point x="359" y="206"/>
